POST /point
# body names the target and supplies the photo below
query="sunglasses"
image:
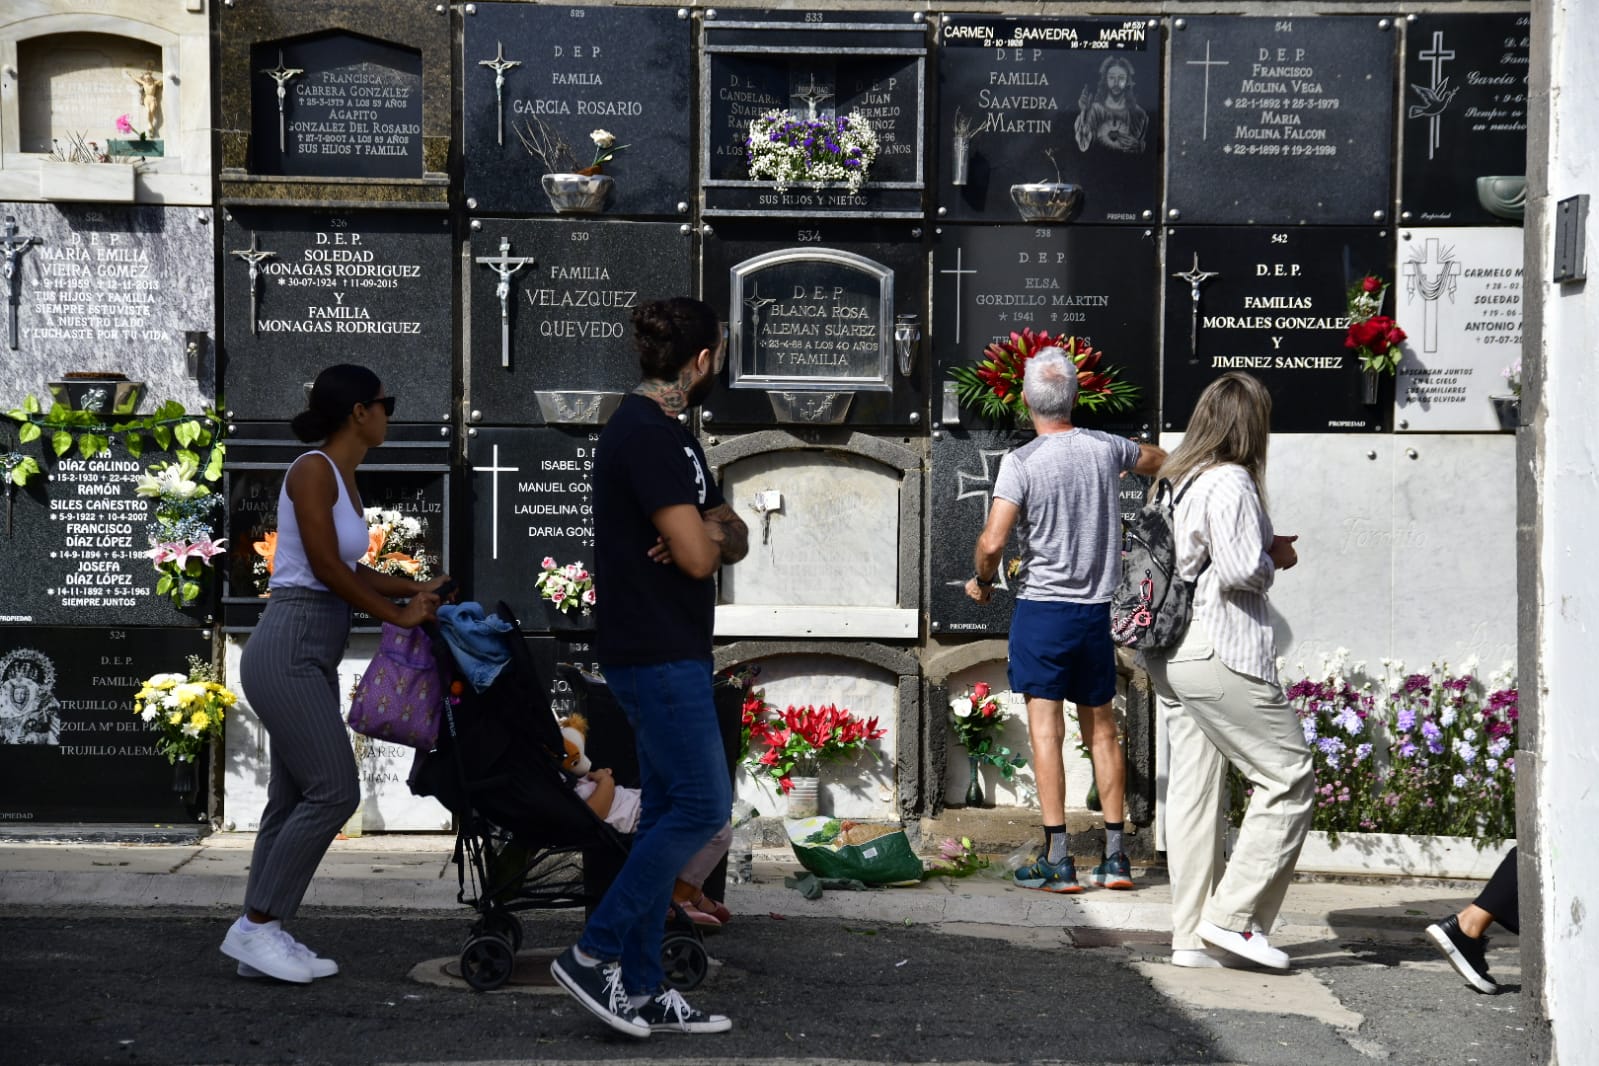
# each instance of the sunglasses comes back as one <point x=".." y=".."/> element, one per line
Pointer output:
<point x="385" y="402"/>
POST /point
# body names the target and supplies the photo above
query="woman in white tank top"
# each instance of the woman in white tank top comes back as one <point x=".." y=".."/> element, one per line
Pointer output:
<point x="289" y="670"/>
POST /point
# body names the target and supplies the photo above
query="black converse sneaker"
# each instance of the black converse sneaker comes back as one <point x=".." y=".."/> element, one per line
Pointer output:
<point x="669" y="1012"/>
<point x="599" y="989"/>
<point x="1467" y="954"/>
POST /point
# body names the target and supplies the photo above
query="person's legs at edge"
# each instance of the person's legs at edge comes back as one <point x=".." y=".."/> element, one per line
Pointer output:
<point x="689" y="892"/>
<point x="1251" y="724"/>
<point x="1194" y="838"/>
<point x="1037" y="669"/>
<point x="1461" y="938"/>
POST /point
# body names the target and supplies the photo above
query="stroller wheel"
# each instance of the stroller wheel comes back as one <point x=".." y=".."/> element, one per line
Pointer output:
<point x="502" y="924"/>
<point x="684" y="959"/>
<point x="487" y="962"/>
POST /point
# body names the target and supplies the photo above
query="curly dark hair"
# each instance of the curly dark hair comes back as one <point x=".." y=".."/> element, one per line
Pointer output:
<point x="668" y="333"/>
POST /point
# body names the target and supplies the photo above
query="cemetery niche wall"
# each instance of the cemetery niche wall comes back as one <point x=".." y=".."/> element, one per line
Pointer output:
<point x="106" y="101"/>
<point x="405" y="491"/>
<point x="543" y="81"/>
<point x="550" y="319"/>
<point x="1048" y="119"/>
<point x="846" y="70"/>
<point x="341" y="104"/>
<point x="71" y="748"/>
<point x="303" y="289"/>
<point x="825" y="323"/>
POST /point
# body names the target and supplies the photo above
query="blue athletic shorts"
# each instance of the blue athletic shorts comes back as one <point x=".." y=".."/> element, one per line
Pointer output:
<point x="1062" y="651"/>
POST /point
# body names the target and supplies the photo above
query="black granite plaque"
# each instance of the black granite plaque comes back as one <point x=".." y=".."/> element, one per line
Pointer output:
<point x="551" y="313"/>
<point x="1096" y="283"/>
<point x="1021" y="97"/>
<point x="531" y="498"/>
<point x="76" y="545"/>
<point x="111" y="287"/>
<point x="817" y="65"/>
<point x="1272" y="302"/>
<point x="1465" y="117"/>
<point x="408" y="477"/>
<point x="813" y="312"/>
<point x="336" y="105"/>
<point x="578" y="70"/>
<point x="302" y="290"/>
<point x="71" y="749"/>
<point x="1281" y="120"/>
<point x="961" y="485"/>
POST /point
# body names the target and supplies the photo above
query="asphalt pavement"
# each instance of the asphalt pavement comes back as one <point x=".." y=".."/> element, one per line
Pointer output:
<point x="108" y="953"/>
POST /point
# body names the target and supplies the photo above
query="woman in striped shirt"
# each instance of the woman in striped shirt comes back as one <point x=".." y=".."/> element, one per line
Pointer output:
<point x="1219" y="693"/>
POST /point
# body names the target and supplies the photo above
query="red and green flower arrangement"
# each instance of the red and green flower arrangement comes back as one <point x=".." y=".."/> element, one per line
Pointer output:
<point x="795" y="741"/>
<point x="1375" y="338"/>
<point x="994" y="385"/>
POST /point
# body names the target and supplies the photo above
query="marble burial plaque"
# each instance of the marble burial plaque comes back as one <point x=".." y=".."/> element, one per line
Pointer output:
<point x="1280" y="120"/>
<point x="1099" y="284"/>
<point x="1465" y="117"/>
<point x="1019" y="97"/>
<point x="824" y="323"/>
<point x="71" y="749"/>
<point x="1458" y="298"/>
<point x="817" y="65"/>
<point x="1273" y="303"/>
<point x="551" y="313"/>
<point x="530" y="498"/>
<point x="336" y="105"/>
<point x="77" y="85"/>
<point x="303" y="289"/>
<point x="109" y="288"/>
<point x="577" y="70"/>
<point x="76" y="545"/>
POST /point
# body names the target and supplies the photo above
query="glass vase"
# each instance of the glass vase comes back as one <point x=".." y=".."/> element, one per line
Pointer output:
<point x="974" y="784"/>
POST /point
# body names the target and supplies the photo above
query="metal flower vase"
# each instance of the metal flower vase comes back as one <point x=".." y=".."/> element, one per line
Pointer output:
<point x="1370" y="385"/>
<point x="578" y="194"/>
<point x="804" y="797"/>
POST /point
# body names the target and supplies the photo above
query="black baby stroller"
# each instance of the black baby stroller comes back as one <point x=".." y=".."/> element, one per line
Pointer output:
<point x="520" y="826"/>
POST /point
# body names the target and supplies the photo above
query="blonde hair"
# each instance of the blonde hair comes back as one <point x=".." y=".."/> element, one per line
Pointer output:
<point x="1231" y="423"/>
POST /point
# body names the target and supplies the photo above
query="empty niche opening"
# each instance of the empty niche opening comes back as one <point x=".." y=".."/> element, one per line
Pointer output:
<point x="80" y="84"/>
<point x="824" y="530"/>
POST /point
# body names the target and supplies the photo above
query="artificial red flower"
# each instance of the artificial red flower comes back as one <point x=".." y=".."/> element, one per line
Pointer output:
<point x="980" y="690"/>
<point x="1370" y="283"/>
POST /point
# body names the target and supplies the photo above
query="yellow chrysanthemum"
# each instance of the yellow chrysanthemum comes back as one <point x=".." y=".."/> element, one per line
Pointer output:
<point x="199" y="719"/>
<point x="174" y="717"/>
<point x="190" y="692"/>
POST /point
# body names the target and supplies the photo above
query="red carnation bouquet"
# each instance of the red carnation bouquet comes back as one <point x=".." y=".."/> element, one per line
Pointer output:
<point x="994" y="385"/>
<point x="1374" y="337"/>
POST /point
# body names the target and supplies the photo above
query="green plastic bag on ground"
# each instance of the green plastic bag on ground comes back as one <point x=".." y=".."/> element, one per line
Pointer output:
<point x="883" y="860"/>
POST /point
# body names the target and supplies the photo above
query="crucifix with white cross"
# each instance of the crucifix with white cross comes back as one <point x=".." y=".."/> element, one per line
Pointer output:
<point x="959" y="273"/>
<point x="1207" y="63"/>
<point x="495" y="470"/>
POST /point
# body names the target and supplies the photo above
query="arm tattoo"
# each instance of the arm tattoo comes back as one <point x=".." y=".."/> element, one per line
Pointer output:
<point x="735" y="543"/>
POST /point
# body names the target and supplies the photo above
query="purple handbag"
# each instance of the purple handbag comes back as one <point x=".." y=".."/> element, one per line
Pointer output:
<point x="400" y="696"/>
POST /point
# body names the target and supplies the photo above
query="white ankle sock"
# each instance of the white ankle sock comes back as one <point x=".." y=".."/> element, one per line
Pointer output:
<point x="583" y="958"/>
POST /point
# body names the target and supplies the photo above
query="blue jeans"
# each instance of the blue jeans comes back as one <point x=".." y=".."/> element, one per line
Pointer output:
<point x="686" y="799"/>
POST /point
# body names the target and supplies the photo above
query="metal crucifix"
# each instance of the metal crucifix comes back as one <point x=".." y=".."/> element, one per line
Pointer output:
<point x="14" y="245"/>
<point x="813" y="95"/>
<point x="255" y="256"/>
<point x="499" y="64"/>
<point x="505" y="265"/>
<point x="1196" y="278"/>
<point x="281" y="74"/>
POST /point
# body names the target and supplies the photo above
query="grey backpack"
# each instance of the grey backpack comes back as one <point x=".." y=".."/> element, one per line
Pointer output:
<point x="1150" y="608"/>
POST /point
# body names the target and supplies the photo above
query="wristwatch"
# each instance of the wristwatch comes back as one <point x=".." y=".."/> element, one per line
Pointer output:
<point x="986" y="583"/>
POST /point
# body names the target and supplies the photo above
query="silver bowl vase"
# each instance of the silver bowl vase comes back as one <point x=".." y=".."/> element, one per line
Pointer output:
<point x="1046" y="201"/>
<point x="578" y="194"/>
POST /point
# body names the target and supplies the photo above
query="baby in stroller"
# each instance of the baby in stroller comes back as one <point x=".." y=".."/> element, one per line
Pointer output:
<point x="620" y="806"/>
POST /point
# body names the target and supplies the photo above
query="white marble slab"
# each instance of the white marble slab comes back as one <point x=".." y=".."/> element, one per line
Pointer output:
<point x="833" y="542"/>
<point x="864" y="790"/>
<point x="386" y="802"/>
<point x="1458" y="297"/>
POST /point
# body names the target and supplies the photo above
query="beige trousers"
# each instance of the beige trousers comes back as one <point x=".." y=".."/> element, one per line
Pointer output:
<point x="1215" y="716"/>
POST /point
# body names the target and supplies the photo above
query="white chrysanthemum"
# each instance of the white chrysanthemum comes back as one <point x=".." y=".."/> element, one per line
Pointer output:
<point x="149" y="713"/>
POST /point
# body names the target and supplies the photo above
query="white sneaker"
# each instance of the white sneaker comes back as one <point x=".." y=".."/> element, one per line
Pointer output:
<point x="1250" y="945"/>
<point x="267" y="949"/>
<point x="1194" y="959"/>
<point x="320" y="967"/>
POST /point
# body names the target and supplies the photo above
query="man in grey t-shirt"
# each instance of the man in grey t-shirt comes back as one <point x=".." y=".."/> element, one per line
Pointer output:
<point x="1060" y="492"/>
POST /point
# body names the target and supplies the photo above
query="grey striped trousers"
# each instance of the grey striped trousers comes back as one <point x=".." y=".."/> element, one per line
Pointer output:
<point x="289" y="670"/>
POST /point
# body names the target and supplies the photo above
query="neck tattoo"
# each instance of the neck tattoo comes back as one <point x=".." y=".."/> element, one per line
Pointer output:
<point x="672" y="396"/>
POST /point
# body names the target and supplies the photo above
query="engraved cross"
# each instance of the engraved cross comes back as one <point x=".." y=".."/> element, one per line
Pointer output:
<point x="495" y="469"/>
<point x="958" y="272"/>
<point x="1207" y="63"/>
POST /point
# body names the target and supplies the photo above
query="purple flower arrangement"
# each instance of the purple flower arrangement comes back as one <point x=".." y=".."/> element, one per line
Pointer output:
<point x="1426" y="754"/>
<point x="785" y="149"/>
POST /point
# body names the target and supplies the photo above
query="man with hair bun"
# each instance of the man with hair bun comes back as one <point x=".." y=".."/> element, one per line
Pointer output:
<point x="661" y="532"/>
<point x="1061" y="491"/>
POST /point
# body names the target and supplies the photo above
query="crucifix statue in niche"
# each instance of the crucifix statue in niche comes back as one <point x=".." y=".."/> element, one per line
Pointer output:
<point x="281" y="74"/>
<point x="813" y="95"/>
<point x="505" y="265"/>
<point x="12" y="246"/>
<point x="1196" y="279"/>
<point x="150" y="85"/>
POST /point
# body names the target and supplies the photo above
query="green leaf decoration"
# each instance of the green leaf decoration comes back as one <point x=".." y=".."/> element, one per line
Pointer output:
<point x="60" y="442"/>
<point x="92" y="444"/>
<point x="29" y="432"/>
<point x="134" y="442"/>
<point x="213" y="465"/>
<point x="186" y="433"/>
<point x="164" y="586"/>
<point x="162" y="435"/>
